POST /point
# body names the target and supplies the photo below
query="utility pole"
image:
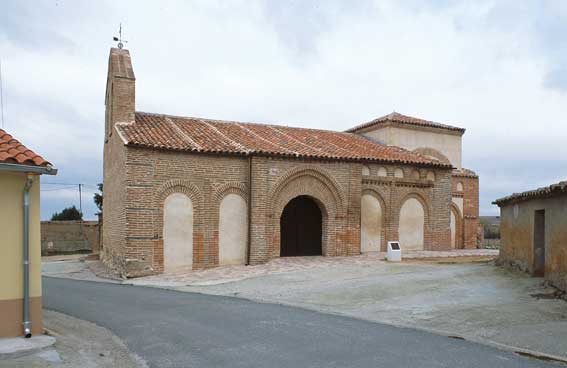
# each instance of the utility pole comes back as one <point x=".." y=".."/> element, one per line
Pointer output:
<point x="80" y="199"/>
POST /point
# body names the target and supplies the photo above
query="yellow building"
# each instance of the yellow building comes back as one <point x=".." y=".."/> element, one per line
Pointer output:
<point x="20" y="250"/>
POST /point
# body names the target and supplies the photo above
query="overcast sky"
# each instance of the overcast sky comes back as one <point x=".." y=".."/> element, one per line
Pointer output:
<point x="496" y="68"/>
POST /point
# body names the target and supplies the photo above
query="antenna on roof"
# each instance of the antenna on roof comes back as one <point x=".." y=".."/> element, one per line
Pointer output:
<point x="119" y="38"/>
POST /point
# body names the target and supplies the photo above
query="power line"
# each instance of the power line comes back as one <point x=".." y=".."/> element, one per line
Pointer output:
<point x="71" y="184"/>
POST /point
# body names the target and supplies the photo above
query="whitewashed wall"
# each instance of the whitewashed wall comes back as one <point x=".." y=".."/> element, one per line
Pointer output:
<point x="233" y="230"/>
<point x="371" y="224"/>
<point x="412" y="222"/>
<point x="177" y="232"/>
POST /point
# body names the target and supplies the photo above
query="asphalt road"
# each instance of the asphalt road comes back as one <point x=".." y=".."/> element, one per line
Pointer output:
<point x="175" y="329"/>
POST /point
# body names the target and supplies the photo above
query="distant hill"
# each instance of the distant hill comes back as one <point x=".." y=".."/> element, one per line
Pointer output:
<point x="490" y="220"/>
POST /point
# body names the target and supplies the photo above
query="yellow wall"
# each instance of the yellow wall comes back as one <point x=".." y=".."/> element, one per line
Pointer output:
<point x="11" y="236"/>
<point x="448" y="144"/>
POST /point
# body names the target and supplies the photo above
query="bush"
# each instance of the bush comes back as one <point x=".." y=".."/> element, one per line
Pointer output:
<point x="68" y="214"/>
<point x="491" y="232"/>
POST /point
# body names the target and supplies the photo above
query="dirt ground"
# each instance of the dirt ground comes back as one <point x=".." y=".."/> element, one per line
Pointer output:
<point x="79" y="344"/>
<point x="465" y="296"/>
<point x="469" y="298"/>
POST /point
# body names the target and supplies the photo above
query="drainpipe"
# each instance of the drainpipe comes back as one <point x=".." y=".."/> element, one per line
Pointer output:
<point x="249" y="243"/>
<point x="27" y="323"/>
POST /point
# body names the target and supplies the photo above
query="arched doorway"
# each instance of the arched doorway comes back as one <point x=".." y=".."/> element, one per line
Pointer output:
<point x="177" y="232"/>
<point x="412" y="225"/>
<point x="301" y="228"/>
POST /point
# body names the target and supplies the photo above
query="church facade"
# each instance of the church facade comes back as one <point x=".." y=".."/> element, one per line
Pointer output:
<point x="185" y="193"/>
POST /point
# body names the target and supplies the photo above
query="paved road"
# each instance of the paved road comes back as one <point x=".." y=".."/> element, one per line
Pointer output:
<point x="174" y="329"/>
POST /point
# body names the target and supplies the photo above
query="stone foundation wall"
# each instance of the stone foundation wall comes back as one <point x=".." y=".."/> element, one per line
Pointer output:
<point x="65" y="237"/>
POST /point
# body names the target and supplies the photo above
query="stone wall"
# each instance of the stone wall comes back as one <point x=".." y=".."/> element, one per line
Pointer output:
<point x="517" y="237"/>
<point x="66" y="237"/>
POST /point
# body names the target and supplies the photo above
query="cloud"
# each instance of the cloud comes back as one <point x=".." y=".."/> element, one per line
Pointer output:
<point x="496" y="68"/>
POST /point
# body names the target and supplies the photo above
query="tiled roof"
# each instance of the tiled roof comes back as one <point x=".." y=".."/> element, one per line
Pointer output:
<point x="229" y="137"/>
<point x="404" y="119"/>
<point x="554" y="189"/>
<point x="13" y="152"/>
<point x="465" y="173"/>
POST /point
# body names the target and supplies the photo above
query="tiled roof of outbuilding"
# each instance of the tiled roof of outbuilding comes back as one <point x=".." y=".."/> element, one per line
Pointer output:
<point x="230" y="137"/>
<point x="404" y="119"/>
<point x="14" y="152"/>
<point x="543" y="192"/>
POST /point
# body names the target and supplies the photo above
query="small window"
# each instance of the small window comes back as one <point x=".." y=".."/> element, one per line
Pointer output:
<point x="459" y="187"/>
<point x="399" y="173"/>
<point x="382" y="171"/>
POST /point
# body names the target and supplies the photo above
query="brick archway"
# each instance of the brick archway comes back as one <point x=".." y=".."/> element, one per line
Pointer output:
<point x="322" y="190"/>
<point x="426" y="217"/>
<point x="301" y="228"/>
<point x="384" y="217"/>
<point x="458" y="226"/>
<point x="196" y="197"/>
<point x="431" y="152"/>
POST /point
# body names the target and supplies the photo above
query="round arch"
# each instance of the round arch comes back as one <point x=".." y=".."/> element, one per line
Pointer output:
<point x="301" y="227"/>
<point x="413" y="218"/>
<point x="372" y="216"/>
<point x="456" y="227"/>
<point x="177" y="232"/>
<point x="166" y="189"/>
<point x="431" y="152"/>
<point x="317" y="185"/>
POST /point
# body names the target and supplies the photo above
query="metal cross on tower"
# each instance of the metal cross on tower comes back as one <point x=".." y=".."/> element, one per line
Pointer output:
<point x="119" y="38"/>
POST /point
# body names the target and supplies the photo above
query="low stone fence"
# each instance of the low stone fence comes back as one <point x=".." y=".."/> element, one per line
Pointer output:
<point x="66" y="237"/>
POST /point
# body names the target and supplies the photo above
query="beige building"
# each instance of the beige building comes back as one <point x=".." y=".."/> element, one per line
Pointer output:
<point x="187" y="193"/>
<point x="533" y="232"/>
<point x="20" y="252"/>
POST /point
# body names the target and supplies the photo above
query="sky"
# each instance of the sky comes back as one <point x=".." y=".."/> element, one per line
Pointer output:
<point x="496" y="68"/>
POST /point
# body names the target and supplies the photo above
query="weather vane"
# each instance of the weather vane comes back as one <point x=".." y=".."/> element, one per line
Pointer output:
<point x="119" y="38"/>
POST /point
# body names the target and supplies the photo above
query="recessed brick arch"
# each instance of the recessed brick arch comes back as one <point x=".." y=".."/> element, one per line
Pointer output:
<point x="431" y="152"/>
<point x="317" y="185"/>
<point x="218" y="195"/>
<point x="195" y="194"/>
<point x="384" y="216"/>
<point x="458" y="226"/>
<point x="427" y="234"/>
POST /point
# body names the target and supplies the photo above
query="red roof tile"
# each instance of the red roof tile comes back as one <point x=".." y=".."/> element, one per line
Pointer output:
<point x="464" y="173"/>
<point x="404" y="119"/>
<point x="545" y="192"/>
<point x="229" y="137"/>
<point x="13" y="152"/>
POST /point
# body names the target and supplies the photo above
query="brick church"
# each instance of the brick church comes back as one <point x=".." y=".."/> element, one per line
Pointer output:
<point x="186" y="193"/>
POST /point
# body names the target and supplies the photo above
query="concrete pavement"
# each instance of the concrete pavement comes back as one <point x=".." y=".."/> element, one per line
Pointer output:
<point x="173" y="329"/>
